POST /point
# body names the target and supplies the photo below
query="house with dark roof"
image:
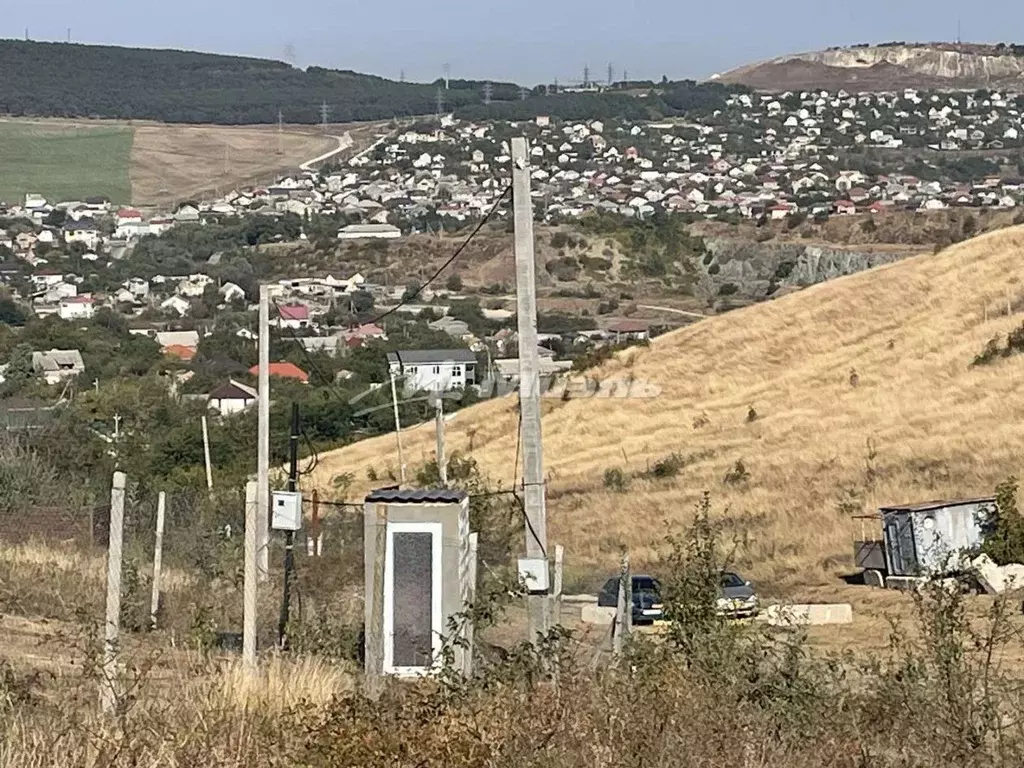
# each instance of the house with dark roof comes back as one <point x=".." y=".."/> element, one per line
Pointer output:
<point x="231" y="398"/>
<point x="433" y="370"/>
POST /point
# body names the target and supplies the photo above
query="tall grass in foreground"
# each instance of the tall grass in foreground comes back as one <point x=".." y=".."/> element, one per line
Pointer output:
<point x="707" y="693"/>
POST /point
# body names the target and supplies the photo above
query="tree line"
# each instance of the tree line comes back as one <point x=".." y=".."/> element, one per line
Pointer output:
<point x="72" y="80"/>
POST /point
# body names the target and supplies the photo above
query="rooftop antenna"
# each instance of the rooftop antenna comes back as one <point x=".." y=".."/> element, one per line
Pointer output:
<point x="447" y="75"/>
<point x="488" y="93"/>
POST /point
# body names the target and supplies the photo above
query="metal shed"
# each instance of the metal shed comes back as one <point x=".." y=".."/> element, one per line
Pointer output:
<point x="932" y="536"/>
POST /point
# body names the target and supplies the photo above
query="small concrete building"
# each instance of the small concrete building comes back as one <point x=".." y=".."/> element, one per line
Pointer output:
<point x="427" y="580"/>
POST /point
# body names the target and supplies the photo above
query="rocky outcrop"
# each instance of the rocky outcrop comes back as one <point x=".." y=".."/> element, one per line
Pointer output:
<point x="759" y="270"/>
<point x="885" y="67"/>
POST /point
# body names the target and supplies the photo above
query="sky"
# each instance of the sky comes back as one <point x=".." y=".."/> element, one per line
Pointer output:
<point x="534" y="41"/>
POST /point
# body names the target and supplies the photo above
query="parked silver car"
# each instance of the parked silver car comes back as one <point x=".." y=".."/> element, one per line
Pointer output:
<point x="738" y="599"/>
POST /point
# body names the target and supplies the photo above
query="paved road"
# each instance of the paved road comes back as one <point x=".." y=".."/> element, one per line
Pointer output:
<point x="673" y="311"/>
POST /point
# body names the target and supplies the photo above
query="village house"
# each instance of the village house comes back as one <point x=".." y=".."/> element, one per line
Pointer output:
<point x="284" y="370"/>
<point x="231" y="398"/>
<point x="76" y="308"/>
<point x="58" y="364"/>
<point x="433" y="370"/>
<point x="293" y="316"/>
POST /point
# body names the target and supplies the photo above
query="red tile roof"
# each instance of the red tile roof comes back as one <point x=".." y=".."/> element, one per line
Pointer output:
<point x="285" y="371"/>
<point x="180" y="351"/>
<point x="294" y="312"/>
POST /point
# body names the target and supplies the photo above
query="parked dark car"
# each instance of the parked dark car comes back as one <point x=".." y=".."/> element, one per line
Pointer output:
<point x="647" y="606"/>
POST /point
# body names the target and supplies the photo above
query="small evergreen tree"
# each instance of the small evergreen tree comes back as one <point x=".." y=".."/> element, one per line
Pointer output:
<point x="1004" y="530"/>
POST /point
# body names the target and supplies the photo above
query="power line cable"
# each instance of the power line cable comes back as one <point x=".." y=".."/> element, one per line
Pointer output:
<point x="458" y="252"/>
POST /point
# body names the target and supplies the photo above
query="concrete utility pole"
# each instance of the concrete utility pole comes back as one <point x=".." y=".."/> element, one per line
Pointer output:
<point x="442" y="462"/>
<point x="398" y="430"/>
<point x="158" y="558"/>
<point x="529" y="378"/>
<point x="623" y="608"/>
<point x="206" y="455"/>
<point x="374" y="670"/>
<point x="252" y="528"/>
<point x="112" y="625"/>
<point x="289" y="536"/>
<point x="263" y="440"/>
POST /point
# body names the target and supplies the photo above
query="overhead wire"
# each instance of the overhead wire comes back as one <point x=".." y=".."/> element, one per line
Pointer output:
<point x="451" y="260"/>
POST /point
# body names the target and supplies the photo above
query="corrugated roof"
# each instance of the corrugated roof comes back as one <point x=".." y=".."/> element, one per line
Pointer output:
<point x="925" y="506"/>
<point x="416" y="495"/>
<point x="427" y="356"/>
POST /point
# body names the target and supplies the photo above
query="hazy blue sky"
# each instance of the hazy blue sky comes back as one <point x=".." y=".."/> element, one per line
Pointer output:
<point x="532" y="41"/>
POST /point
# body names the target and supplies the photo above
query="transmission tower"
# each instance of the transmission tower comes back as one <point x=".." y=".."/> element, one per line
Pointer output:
<point x="488" y="93"/>
<point x="325" y="111"/>
<point x="280" y="132"/>
<point x="523" y="93"/>
<point x="625" y="76"/>
<point x="586" y="75"/>
<point x="611" y="75"/>
<point x="401" y="76"/>
<point x="447" y="75"/>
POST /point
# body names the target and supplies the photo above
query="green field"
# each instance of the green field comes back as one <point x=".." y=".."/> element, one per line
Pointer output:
<point x="64" y="161"/>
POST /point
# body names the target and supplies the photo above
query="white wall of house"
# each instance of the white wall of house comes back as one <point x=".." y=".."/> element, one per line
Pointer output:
<point x="229" y="405"/>
<point x="435" y="377"/>
<point x="75" y="310"/>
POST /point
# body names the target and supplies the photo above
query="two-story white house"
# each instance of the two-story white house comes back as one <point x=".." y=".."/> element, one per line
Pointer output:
<point x="433" y="370"/>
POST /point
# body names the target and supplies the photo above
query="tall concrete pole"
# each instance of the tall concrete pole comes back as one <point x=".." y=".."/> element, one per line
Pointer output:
<point x="442" y="461"/>
<point x="249" y="594"/>
<point x="263" y="442"/>
<point x="529" y="379"/>
<point x="158" y="558"/>
<point x="109" y="685"/>
<point x="398" y="430"/>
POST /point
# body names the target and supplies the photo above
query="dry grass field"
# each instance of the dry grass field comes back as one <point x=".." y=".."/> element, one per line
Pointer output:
<point x="915" y="423"/>
<point x="154" y="164"/>
<point x="175" y="162"/>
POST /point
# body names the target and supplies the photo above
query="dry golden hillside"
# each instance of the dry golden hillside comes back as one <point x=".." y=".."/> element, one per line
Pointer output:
<point x="914" y="423"/>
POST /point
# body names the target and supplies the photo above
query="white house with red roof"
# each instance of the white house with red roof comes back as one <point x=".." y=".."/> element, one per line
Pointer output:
<point x="130" y="225"/>
<point x="293" y="316"/>
<point x="76" y="308"/>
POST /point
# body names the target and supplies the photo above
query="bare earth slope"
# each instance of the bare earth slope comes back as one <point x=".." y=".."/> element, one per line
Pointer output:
<point x="888" y="67"/>
<point x="914" y="423"/>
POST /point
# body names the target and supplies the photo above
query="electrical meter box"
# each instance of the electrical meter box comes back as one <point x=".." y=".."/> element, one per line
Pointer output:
<point x="286" y="511"/>
<point x="533" y="573"/>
